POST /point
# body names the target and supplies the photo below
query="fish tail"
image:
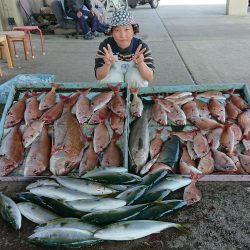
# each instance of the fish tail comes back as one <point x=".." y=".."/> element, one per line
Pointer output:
<point x="159" y="130"/>
<point x="183" y="227"/>
<point x="35" y="94"/>
<point x="194" y="94"/>
<point x="102" y="115"/>
<point x="115" y="137"/>
<point x="195" y="177"/>
<point x="27" y="95"/>
<point x="64" y="98"/>
<point x="55" y="86"/>
<point x="116" y="88"/>
<point x="134" y="90"/>
<point x="88" y="138"/>
<point x="84" y="92"/>
<point x="72" y="100"/>
<point x="229" y="91"/>
<point x="245" y="136"/>
<point x="154" y="98"/>
<point x="170" y="132"/>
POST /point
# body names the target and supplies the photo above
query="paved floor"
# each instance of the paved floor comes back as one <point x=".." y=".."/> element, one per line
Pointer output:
<point x="191" y="44"/>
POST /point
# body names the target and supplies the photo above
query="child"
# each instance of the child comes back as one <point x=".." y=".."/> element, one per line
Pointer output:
<point x="122" y="57"/>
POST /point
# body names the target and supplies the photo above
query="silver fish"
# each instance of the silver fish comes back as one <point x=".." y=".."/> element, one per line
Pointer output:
<point x="172" y="183"/>
<point x="139" y="141"/>
<point x="86" y="186"/>
<point x="66" y="223"/>
<point x="96" y="204"/>
<point x="62" y="193"/>
<point x="62" y="238"/>
<point x="10" y="212"/>
<point x="36" y="213"/>
<point x="133" y="229"/>
<point x="45" y="182"/>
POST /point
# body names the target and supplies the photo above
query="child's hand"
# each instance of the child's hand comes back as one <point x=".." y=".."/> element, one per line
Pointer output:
<point x="108" y="57"/>
<point x="138" y="56"/>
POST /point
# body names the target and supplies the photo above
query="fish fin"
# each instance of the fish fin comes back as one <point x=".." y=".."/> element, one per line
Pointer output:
<point x="134" y="90"/>
<point x="54" y="149"/>
<point x="159" y="200"/>
<point x="177" y="128"/>
<point x="195" y="177"/>
<point x="55" y="86"/>
<point x="183" y="227"/>
<point x="73" y="99"/>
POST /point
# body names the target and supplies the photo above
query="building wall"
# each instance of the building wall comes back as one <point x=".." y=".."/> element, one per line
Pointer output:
<point x="11" y="8"/>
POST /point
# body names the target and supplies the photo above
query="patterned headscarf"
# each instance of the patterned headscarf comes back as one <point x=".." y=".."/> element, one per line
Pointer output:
<point x="122" y="18"/>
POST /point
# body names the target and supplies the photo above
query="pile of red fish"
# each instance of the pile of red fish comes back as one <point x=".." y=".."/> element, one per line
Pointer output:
<point x="213" y="128"/>
<point x="31" y="144"/>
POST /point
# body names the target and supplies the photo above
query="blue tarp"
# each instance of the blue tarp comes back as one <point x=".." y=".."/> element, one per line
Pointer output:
<point x="23" y="79"/>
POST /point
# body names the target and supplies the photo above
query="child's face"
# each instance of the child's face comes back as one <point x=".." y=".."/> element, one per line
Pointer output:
<point x="123" y="35"/>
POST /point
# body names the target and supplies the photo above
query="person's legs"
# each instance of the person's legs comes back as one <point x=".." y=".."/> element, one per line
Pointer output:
<point x="94" y="23"/>
<point x="133" y="78"/>
<point x="113" y="76"/>
<point x="83" y="23"/>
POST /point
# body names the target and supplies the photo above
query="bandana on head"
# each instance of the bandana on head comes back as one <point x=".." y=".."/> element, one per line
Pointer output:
<point x="122" y="18"/>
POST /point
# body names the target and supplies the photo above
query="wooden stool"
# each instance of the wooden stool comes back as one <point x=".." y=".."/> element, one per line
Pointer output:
<point x="14" y="36"/>
<point x="4" y="45"/>
<point x="28" y="29"/>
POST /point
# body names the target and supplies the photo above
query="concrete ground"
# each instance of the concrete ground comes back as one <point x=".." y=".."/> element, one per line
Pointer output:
<point x="191" y="44"/>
